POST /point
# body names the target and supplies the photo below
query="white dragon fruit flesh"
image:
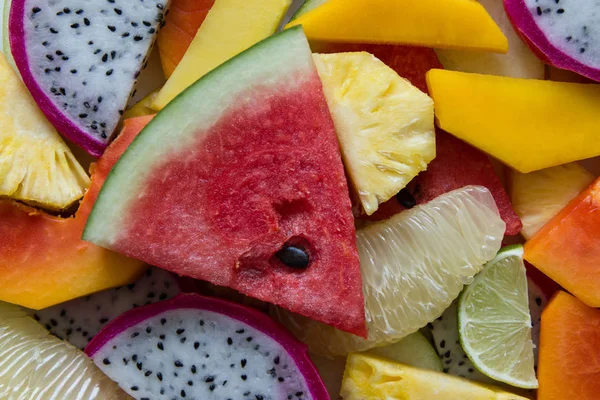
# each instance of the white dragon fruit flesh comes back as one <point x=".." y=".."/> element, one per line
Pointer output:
<point x="563" y="33"/>
<point x="81" y="59"/>
<point x="195" y="347"/>
<point x="78" y="321"/>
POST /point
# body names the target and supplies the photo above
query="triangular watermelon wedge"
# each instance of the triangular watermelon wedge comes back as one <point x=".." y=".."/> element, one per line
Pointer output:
<point x="242" y="164"/>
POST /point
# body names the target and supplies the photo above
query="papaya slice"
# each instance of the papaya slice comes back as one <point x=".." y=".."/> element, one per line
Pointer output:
<point x="569" y="359"/>
<point x="567" y="248"/>
<point x="43" y="260"/>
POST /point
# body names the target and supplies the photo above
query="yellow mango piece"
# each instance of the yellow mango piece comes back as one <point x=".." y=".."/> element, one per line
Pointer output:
<point x="525" y="123"/>
<point x="455" y="24"/>
<point x="371" y="378"/>
<point x="230" y="27"/>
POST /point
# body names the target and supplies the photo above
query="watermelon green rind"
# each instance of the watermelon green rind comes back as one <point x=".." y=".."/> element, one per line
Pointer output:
<point x="279" y="56"/>
<point x="307" y="6"/>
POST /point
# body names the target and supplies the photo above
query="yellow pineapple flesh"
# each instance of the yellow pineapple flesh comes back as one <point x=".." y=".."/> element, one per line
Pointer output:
<point x="36" y="166"/>
<point x="538" y="196"/>
<point x="371" y="378"/>
<point x="384" y="124"/>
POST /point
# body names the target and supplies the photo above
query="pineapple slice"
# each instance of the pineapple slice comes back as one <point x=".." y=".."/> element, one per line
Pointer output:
<point x="36" y="166"/>
<point x="384" y="124"/>
<point x="538" y="196"/>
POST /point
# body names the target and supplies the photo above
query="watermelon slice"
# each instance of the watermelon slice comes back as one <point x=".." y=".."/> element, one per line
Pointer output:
<point x="241" y="165"/>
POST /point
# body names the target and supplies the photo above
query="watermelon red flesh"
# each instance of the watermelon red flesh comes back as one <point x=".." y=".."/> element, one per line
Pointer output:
<point x="266" y="173"/>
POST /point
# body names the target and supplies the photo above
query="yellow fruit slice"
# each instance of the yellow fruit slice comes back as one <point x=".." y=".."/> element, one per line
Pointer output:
<point x="36" y="365"/>
<point x="371" y="378"/>
<point x="230" y="27"/>
<point x="142" y="107"/>
<point x="459" y="24"/>
<point x="538" y="196"/>
<point x="384" y="124"/>
<point x="527" y="124"/>
<point x="36" y="166"/>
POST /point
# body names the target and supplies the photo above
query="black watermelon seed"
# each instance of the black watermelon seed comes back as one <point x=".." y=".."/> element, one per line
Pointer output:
<point x="406" y="199"/>
<point x="293" y="257"/>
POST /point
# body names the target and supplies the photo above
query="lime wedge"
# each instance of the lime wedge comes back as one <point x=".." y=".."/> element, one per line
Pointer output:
<point x="494" y="322"/>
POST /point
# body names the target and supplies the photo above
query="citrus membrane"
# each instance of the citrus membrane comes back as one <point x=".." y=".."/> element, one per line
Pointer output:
<point x="494" y="321"/>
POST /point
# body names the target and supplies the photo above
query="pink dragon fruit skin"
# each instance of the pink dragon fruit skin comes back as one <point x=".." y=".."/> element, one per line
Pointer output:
<point x="525" y="25"/>
<point x="118" y="335"/>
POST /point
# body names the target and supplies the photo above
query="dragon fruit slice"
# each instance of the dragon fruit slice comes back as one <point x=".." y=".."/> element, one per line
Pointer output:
<point x="561" y="33"/>
<point x="78" y="321"/>
<point x="81" y="60"/>
<point x="204" y="348"/>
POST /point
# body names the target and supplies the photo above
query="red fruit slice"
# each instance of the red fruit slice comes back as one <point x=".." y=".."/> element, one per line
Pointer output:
<point x="182" y="23"/>
<point x="240" y="165"/>
<point x="569" y="359"/>
<point x="567" y="248"/>
<point x="43" y="260"/>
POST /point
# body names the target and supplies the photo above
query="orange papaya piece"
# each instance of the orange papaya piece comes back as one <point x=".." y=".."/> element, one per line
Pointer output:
<point x="567" y="248"/>
<point x="569" y="354"/>
<point x="181" y="25"/>
<point x="43" y="260"/>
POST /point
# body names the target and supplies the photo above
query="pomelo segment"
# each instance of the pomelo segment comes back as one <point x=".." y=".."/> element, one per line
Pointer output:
<point x="251" y="164"/>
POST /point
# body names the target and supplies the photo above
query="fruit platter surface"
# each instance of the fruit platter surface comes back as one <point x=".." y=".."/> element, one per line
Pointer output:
<point x="299" y="200"/>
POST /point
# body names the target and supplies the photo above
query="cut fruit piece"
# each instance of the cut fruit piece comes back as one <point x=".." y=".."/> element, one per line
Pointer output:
<point x="372" y="378"/>
<point x="81" y="61"/>
<point x="527" y="124"/>
<point x="384" y="124"/>
<point x="494" y="322"/>
<point x="4" y="42"/>
<point x="413" y="265"/>
<point x="569" y="356"/>
<point x="519" y="62"/>
<point x="204" y="348"/>
<point x="462" y="24"/>
<point x="567" y="248"/>
<point x="275" y="132"/>
<point x="307" y="5"/>
<point x="456" y="165"/>
<point x="413" y="350"/>
<point x="142" y="107"/>
<point x="563" y="35"/>
<point x="226" y="32"/>
<point x="43" y="260"/>
<point x="36" y="166"/>
<point x="181" y="26"/>
<point x="36" y="365"/>
<point x="538" y="196"/>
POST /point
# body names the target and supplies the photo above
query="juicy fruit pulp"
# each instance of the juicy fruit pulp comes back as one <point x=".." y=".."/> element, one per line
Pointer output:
<point x="494" y="321"/>
<point x="431" y="23"/>
<point x="181" y="25"/>
<point x="36" y="166"/>
<point x="202" y="348"/>
<point x="563" y="35"/>
<point x="413" y="265"/>
<point x="371" y="378"/>
<point x="525" y="123"/>
<point x="225" y="32"/>
<point x="228" y="230"/>
<point x="81" y="62"/>
<point x="384" y="124"/>
<point x="568" y="364"/>
<point x="36" y="365"/>
<point x="567" y="249"/>
<point x="538" y="196"/>
<point x="43" y="259"/>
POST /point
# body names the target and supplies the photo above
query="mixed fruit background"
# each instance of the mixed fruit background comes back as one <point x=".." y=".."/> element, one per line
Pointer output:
<point x="355" y="199"/>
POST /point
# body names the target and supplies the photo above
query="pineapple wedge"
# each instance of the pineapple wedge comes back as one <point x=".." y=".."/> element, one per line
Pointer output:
<point x="384" y="124"/>
<point x="36" y="166"/>
<point x="538" y="196"/>
<point x="371" y="378"/>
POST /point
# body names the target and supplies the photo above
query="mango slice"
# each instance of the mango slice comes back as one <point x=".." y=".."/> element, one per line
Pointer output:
<point x="527" y="124"/>
<point x="455" y="24"/>
<point x="230" y="27"/>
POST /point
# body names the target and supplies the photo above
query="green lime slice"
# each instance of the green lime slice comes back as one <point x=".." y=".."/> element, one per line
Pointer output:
<point x="494" y="321"/>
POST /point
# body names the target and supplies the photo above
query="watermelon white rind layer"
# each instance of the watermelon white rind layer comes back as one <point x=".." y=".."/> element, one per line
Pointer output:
<point x="279" y="62"/>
